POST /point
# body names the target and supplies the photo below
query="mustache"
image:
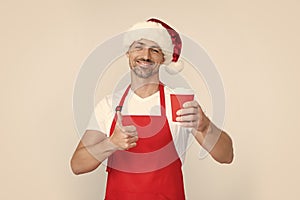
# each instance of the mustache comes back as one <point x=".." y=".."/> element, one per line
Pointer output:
<point x="146" y="60"/>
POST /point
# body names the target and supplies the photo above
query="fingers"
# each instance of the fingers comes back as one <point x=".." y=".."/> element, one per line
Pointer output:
<point x="125" y="137"/>
<point x="188" y="111"/>
<point x="193" y="103"/>
<point x="129" y="145"/>
<point x="189" y="108"/>
<point x="188" y="118"/>
<point x="128" y="142"/>
<point x="130" y="130"/>
<point x="127" y="131"/>
<point x="192" y="124"/>
<point x="132" y="139"/>
<point x="190" y="115"/>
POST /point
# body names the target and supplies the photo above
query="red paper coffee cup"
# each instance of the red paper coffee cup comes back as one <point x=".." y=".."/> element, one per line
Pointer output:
<point x="179" y="97"/>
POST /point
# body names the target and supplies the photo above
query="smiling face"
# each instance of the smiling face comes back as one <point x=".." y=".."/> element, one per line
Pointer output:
<point x="145" y="57"/>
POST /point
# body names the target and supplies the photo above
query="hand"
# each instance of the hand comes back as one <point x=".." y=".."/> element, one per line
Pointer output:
<point x="124" y="137"/>
<point x="192" y="116"/>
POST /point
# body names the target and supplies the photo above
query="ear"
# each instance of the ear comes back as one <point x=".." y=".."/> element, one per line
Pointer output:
<point x="127" y="54"/>
<point x="163" y="59"/>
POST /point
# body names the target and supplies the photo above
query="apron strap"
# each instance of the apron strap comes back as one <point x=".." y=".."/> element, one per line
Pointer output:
<point x="162" y="99"/>
<point x="121" y="103"/>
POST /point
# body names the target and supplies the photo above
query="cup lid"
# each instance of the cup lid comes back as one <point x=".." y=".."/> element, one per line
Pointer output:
<point x="181" y="90"/>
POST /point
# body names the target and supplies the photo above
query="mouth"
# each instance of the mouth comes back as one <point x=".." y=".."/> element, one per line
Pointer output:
<point x="144" y="63"/>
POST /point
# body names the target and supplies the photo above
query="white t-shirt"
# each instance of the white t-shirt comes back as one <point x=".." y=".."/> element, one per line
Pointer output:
<point x="102" y="119"/>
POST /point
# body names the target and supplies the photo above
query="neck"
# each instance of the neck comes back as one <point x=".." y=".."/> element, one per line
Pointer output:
<point x="144" y="87"/>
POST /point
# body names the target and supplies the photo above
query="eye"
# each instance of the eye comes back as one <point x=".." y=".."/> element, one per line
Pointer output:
<point x="138" y="47"/>
<point x="155" y="50"/>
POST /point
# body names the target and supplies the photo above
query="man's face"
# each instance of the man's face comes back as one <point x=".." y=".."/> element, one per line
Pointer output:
<point x="145" y="57"/>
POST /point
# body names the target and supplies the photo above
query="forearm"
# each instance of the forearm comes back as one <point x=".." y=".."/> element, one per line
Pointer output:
<point x="216" y="142"/>
<point x="88" y="158"/>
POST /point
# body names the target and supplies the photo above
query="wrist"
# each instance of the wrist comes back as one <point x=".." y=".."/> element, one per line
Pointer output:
<point x="204" y="125"/>
<point x="111" y="145"/>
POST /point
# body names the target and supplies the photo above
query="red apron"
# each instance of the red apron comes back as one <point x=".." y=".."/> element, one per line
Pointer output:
<point x="152" y="169"/>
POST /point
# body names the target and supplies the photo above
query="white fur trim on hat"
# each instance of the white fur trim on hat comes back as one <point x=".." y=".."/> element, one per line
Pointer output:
<point x="174" y="68"/>
<point x="154" y="32"/>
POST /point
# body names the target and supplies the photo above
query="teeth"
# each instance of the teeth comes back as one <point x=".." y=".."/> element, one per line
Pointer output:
<point x="144" y="63"/>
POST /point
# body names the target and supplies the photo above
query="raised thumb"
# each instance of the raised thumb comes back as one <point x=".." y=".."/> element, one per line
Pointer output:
<point x="119" y="119"/>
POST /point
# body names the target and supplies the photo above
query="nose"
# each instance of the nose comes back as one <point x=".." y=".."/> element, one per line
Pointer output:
<point x="146" y="53"/>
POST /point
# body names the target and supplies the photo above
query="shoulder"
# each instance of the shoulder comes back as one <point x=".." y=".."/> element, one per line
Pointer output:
<point x="109" y="102"/>
<point x="168" y="90"/>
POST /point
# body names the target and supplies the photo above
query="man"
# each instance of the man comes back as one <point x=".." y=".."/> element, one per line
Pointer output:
<point x="143" y="147"/>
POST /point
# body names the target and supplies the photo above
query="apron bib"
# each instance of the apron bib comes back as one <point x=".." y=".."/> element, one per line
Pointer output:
<point x="152" y="169"/>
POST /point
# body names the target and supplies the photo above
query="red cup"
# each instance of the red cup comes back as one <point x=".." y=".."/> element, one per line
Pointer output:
<point x="177" y="101"/>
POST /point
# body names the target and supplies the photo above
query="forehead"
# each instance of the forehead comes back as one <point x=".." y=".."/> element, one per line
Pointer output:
<point x="145" y="42"/>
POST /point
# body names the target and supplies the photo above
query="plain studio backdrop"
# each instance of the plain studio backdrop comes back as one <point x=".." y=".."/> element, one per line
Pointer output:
<point x="254" y="45"/>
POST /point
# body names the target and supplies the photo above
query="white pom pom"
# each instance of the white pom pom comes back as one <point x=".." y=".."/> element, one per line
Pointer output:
<point x="175" y="68"/>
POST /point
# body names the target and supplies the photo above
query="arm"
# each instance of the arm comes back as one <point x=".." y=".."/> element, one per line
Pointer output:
<point x="95" y="146"/>
<point x="210" y="137"/>
<point x="216" y="142"/>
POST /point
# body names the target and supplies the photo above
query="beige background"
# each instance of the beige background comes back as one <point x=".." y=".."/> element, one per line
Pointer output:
<point x="255" y="45"/>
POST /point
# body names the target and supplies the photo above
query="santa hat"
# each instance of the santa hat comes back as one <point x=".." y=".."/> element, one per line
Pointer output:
<point x="162" y="34"/>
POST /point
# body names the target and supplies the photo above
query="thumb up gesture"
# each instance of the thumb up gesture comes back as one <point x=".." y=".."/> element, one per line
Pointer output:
<point x="124" y="137"/>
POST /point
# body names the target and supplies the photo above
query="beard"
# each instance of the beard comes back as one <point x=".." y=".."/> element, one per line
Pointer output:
<point x="145" y="68"/>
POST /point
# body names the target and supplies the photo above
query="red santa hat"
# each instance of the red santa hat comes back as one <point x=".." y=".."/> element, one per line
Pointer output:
<point x="165" y="36"/>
